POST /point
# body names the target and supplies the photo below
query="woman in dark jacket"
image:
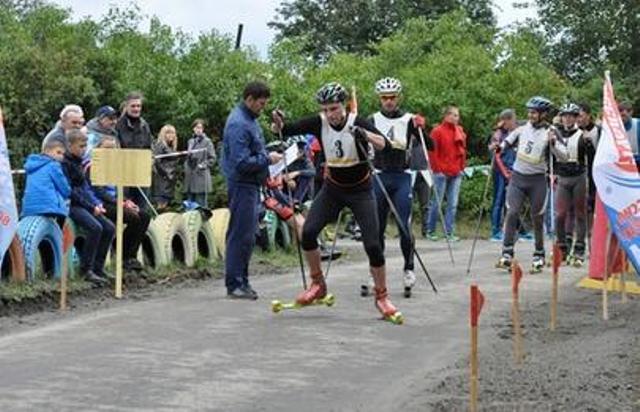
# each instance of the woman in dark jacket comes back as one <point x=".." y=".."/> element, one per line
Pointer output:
<point x="197" y="167"/>
<point x="164" y="169"/>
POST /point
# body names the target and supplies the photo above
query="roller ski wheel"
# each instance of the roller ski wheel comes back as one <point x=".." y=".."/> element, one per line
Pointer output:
<point x="279" y="306"/>
<point x="366" y="288"/>
<point x="537" y="265"/>
<point x="504" y="263"/>
<point x="386" y="308"/>
<point x="407" y="292"/>
<point x="364" y="291"/>
<point x="397" y="318"/>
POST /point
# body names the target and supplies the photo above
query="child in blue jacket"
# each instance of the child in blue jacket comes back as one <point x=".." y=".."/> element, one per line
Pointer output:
<point x="47" y="190"/>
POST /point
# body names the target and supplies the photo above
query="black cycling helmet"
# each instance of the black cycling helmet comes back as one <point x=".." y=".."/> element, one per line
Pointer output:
<point x="299" y="140"/>
<point x="539" y="104"/>
<point x="331" y="93"/>
<point x="569" y="108"/>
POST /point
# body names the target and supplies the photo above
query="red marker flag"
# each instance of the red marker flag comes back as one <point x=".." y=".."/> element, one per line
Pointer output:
<point x="557" y="258"/>
<point x="353" y="102"/>
<point x="477" y="300"/>
<point x="516" y="276"/>
<point x="67" y="238"/>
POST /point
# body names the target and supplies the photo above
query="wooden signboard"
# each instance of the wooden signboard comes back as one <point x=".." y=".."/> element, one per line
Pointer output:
<point x="121" y="167"/>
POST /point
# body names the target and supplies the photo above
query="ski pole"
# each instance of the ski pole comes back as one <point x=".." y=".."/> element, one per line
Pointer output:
<point x="395" y="213"/>
<point x="438" y="200"/>
<point x="552" y="211"/>
<point x="333" y="244"/>
<point x="480" y="215"/>
<point x="176" y="154"/>
<point x="295" y="225"/>
<point x="146" y="199"/>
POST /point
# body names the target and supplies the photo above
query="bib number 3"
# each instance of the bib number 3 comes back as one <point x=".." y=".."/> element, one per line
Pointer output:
<point x="338" y="150"/>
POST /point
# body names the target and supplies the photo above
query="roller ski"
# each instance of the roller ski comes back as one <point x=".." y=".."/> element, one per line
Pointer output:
<point x="386" y="308"/>
<point x="315" y="294"/>
<point x="409" y="280"/>
<point x="575" y="261"/>
<point x="537" y="265"/>
<point x="279" y="306"/>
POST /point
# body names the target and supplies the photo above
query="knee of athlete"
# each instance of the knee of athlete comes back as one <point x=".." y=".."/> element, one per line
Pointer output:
<point x="512" y="213"/>
<point x="309" y="238"/>
<point x="537" y="220"/>
<point x="375" y="254"/>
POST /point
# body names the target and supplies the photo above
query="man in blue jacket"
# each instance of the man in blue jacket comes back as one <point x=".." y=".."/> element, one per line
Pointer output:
<point x="245" y="164"/>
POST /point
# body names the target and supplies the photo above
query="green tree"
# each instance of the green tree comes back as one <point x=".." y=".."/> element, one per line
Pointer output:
<point x="586" y="37"/>
<point x="330" y="26"/>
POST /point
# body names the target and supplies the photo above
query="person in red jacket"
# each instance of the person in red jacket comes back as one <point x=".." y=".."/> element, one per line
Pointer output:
<point x="447" y="160"/>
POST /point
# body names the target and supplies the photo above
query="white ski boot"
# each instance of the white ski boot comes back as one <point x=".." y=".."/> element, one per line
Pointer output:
<point x="537" y="264"/>
<point x="504" y="262"/>
<point x="409" y="279"/>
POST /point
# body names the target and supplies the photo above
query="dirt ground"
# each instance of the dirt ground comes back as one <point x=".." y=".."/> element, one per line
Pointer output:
<point x="180" y="345"/>
<point x="587" y="364"/>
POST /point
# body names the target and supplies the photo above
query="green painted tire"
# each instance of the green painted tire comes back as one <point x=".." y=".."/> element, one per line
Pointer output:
<point x="201" y="235"/>
<point x="219" y="223"/>
<point x="169" y="238"/>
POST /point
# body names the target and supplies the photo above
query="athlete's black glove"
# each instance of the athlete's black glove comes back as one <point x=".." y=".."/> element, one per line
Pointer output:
<point x="360" y="135"/>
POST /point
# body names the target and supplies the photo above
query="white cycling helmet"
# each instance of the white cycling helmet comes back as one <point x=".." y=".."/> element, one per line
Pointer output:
<point x="388" y="85"/>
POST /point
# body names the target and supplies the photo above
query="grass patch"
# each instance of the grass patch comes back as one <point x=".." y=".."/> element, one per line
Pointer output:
<point x="277" y="257"/>
<point x="17" y="292"/>
<point x="465" y="228"/>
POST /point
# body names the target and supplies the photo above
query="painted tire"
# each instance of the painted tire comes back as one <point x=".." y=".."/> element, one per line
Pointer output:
<point x="219" y="223"/>
<point x="13" y="266"/>
<point x="278" y="233"/>
<point x="201" y="235"/>
<point x="41" y="239"/>
<point x="151" y="252"/>
<point x="171" y="231"/>
<point x="283" y="235"/>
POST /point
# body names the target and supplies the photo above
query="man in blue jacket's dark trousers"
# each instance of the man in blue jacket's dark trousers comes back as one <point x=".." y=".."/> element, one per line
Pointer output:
<point x="245" y="164"/>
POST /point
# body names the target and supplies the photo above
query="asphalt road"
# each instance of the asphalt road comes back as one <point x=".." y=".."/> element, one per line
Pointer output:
<point x="195" y="350"/>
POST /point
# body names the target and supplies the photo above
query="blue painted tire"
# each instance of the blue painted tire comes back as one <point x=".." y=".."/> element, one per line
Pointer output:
<point x="41" y="240"/>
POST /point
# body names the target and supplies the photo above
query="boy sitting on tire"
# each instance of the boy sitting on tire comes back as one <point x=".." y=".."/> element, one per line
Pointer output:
<point x="87" y="212"/>
<point x="47" y="190"/>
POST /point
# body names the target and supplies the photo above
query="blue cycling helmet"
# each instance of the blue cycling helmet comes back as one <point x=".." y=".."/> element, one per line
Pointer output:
<point x="540" y="104"/>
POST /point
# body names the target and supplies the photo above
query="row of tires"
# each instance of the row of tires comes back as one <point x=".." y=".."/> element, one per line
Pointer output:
<point x="40" y="247"/>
